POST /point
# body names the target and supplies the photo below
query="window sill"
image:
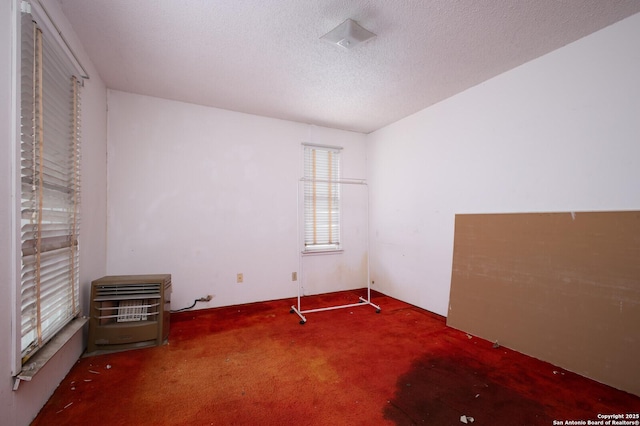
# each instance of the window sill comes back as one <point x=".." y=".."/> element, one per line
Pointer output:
<point x="321" y="252"/>
<point x="38" y="361"/>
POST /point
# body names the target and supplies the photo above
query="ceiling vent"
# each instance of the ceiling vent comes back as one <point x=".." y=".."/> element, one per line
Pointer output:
<point x="348" y="34"/>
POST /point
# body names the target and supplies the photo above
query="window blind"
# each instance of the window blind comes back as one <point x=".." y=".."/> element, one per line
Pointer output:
<point x="50" y="188"/>
<point x="321" y="198"/>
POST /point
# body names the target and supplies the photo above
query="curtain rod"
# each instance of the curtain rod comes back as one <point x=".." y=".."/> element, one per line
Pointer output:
<point x="45" y="14"/>
<point x="317" y="145"/>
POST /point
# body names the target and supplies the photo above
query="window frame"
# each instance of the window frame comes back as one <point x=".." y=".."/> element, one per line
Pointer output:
<point x="56" y="47"/>
<point x="328" y="180"/>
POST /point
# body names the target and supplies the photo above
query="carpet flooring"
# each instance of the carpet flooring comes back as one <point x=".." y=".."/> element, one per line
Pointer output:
<point x="255" y="364"/>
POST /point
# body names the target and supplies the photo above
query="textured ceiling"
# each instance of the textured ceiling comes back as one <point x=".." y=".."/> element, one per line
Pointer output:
<point x="265" y="57"/>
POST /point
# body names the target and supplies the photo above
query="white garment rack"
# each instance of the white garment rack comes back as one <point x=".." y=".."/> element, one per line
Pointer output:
<point x="361" y="300"/>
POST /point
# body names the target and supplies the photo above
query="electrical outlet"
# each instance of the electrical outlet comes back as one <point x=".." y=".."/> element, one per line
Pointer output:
<point x="294" y="276"/>
<point x="239" y="278"/>
<point x="207" y="298"/>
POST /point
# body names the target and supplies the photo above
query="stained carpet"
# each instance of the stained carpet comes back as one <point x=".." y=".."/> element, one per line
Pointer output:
<point x="255" y="364"/>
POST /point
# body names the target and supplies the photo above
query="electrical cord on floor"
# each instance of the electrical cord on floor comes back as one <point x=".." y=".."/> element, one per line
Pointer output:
<point x="202" y="299"/>
<point x="185" y="309"/>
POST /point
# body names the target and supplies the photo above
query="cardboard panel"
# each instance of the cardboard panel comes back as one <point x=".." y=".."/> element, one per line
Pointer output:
<point x="561" y="287"/>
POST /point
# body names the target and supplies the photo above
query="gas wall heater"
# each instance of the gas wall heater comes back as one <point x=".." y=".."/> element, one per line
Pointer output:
<point x="128" y="312"/>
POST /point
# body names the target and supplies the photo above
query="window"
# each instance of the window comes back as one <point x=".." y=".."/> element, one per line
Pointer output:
<point x="321" y="198"/>
<point x="50" y="188"/>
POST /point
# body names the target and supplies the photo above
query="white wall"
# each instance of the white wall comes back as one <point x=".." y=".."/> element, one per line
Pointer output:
<point x="203" y="194"/>
<point x="560" y="133"/>
<point x="21" y="406"/>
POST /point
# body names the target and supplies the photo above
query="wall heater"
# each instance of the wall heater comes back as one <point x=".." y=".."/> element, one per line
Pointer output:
<point x="128" y="312"/>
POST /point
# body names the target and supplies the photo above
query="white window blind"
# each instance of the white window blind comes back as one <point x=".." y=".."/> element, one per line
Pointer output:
<point x="321" y="198"/>
<point x="50" y="188"/>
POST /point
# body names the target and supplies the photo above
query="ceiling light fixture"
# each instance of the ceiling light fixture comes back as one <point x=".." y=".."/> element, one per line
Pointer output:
<point x="348" y="34"/>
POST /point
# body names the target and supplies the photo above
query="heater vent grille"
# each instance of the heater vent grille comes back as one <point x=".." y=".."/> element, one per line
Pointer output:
<point x="132" y="310"/>
<point x="125" y="291"/>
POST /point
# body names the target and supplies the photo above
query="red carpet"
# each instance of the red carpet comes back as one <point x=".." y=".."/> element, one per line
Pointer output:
<point x="255" y="365"/>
